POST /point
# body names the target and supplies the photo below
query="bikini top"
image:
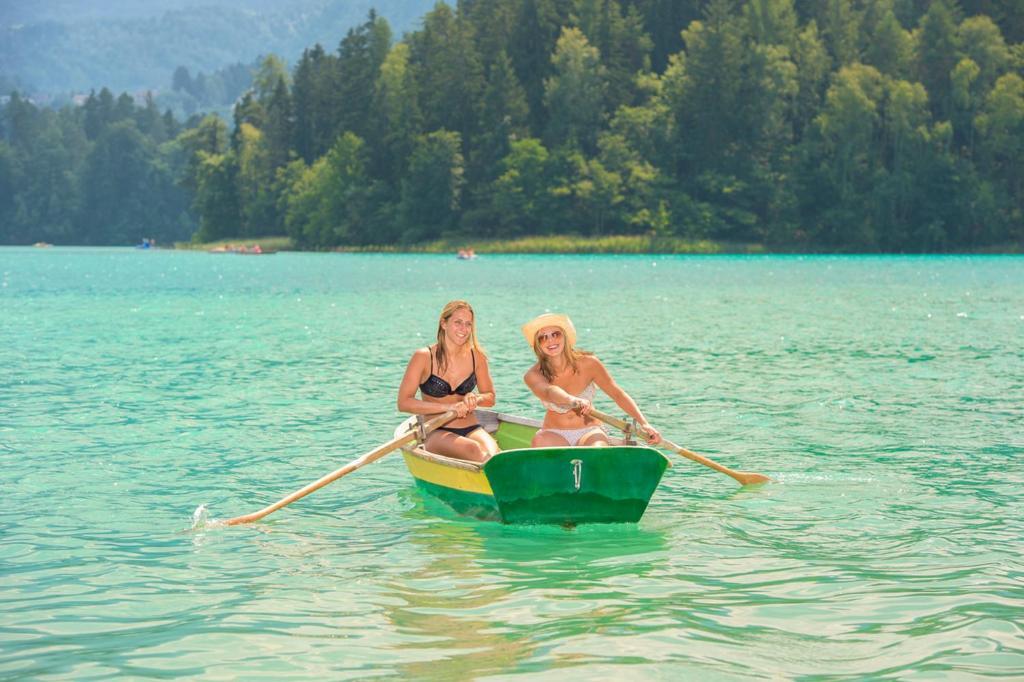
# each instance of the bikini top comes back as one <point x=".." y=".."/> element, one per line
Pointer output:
<point x="436" y="387"/>
<point x="586" y="394"/>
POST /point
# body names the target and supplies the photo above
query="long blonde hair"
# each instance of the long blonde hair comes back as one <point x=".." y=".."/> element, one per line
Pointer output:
<point x="570" y="353"/>
<point x="441" y="354"/>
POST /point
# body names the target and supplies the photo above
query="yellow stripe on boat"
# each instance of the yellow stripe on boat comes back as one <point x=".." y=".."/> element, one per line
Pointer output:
<point x="447" y="476"/>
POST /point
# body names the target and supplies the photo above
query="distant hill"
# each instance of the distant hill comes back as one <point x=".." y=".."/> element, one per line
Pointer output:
<point x="72" y="11"/>
<point x="59" y="46"/>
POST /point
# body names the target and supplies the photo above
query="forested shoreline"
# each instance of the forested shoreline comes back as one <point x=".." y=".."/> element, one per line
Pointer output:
<point x="875" y="125"/>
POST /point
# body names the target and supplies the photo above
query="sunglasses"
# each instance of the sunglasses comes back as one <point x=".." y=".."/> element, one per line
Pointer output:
<point x="554" y="336"/>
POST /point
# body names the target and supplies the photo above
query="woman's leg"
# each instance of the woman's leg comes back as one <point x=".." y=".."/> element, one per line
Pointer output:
<point x="547" y="439"/>
<point x="488" y="446"/>
<point x="595" y="437"/>
<point x="452" y="445"/>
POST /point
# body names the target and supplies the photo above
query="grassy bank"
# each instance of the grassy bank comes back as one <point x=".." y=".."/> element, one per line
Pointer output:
<point x="576" y="244"/>
<point x="568" y="244"/>
<point x="267" y="244"/>
<point x="538" y="244"/>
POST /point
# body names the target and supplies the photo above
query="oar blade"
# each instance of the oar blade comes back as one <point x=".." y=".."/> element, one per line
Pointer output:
<point x="749" y="478"/>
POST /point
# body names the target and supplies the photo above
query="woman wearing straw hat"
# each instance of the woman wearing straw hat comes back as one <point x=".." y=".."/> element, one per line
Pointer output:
<point x="565" y="379"/>
<point x="445" y="375"/>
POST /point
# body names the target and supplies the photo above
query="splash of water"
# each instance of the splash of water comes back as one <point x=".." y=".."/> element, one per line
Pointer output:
<point x="201" y="519"/>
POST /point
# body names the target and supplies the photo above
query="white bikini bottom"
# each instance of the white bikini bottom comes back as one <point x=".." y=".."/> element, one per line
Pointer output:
<point x="573" y="436"/>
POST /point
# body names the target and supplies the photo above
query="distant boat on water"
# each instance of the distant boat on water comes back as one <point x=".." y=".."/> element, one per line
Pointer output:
<point x="466" y="254"/>
<point x="42" y="245"/>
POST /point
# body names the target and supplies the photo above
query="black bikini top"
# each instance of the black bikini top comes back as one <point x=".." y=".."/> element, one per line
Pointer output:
<point x="436" y="387"/>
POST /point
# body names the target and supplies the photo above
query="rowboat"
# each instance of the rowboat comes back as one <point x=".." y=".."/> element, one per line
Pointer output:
<point x="562" y="485"/>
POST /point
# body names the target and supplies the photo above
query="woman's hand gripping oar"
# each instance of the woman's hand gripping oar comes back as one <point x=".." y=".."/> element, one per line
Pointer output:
<point x="371" y="456"/>
<point x="744" y="477"/>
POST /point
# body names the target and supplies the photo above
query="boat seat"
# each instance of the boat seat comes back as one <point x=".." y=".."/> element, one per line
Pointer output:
<point x="488" y="420"/>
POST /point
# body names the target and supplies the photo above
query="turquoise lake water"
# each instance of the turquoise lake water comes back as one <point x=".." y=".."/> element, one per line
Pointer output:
<point x="885" y="396"/>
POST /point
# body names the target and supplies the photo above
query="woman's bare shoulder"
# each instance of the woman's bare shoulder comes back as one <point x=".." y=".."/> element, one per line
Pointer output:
<point x="420" y="355"/>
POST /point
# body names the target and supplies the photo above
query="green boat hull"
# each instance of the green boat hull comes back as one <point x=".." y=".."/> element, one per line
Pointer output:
<point x="563" y="485"/>
<point x="466" y="503"/>
<point x="574" y="484"/>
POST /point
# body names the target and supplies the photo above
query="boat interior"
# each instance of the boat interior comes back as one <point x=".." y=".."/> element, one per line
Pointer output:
<point x="510" y="431"/>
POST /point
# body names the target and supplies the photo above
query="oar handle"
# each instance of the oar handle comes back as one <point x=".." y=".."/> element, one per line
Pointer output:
<point x="369" y="457"/>
<point x="744" y="477"/>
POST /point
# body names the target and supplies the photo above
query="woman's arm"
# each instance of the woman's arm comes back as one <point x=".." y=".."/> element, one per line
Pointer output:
<point x="547" y="391"/>
<point x="606" y="383"/>
<point x="485" y="395"/>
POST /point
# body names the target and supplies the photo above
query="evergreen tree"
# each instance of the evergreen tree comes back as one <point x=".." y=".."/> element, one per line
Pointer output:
<point x="432" y="189"/>
<point x="278" y="128"/>
<point x="216" y="197"/>
<point x="360" y="56"/>
<point x="208" y="137"/>
<point x="99" y="113"/>
<point x="149" y="121"/>
<point x="981" y="41"/>
<point x="331" y="202"/>
<point x="771" y="22"/>
<point x="887" y="46"/>
<point x="812" y="69"/>
<point x="182" y="80"/>
<point x="256" y="200"/>
<point x="537" y="29"/>
<point x="316" y="103"/>
<point x="664" y="21"/>
<point x="622" y="44"/>
<point x="844" y="134"/>
<point x="574" y="94"/>
<point x="10" y="183"/>
<point x="397" y="117"/>
<point x="448" y="73"/>
<point x="636" y="204"/>
<point x="937" y="54"/>
<point x="493" y="24"/>
<point x="840" y="27"/>
<point x="117" y="187"/>
<point x="48" y="151"/>
<point x="124" y="108"/>
<point x="1001" y="128"/>
<point x="504" y="117"/>
<point x="521" y="199"/>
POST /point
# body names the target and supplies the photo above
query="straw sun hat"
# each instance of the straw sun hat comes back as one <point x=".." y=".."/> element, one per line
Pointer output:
<point x="531" y="328"/>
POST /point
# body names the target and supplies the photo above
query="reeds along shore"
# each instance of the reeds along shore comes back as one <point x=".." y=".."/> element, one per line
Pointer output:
<point x="566" y="244"/>
<point x="555" y="244"/>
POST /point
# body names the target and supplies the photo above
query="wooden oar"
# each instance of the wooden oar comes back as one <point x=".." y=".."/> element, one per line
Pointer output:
<point x="371" y="456"/>
<point x="744" y="477"/>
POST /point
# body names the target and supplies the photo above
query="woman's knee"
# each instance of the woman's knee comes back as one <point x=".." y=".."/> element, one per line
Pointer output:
<point x="488" y="446"/>
<point x="469" y="449"/>
<point x="594" y="438"/>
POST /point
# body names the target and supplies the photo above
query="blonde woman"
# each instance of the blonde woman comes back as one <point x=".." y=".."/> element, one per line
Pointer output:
<point x="446" y="374"/>
<point x="566" y="379"/>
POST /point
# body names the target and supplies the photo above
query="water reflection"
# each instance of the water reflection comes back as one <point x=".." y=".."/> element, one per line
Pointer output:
<point x="487" y="597"/>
